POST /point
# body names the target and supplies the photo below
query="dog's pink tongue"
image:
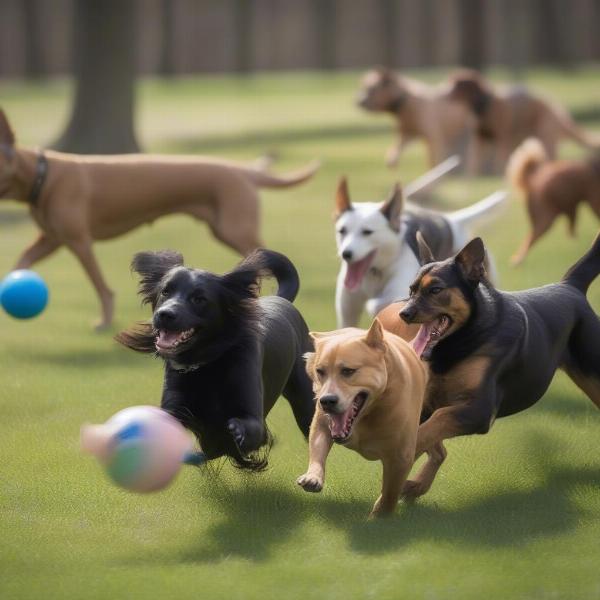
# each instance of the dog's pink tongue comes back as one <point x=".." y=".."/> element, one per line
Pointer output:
<point x="336" y="424"/>
<point x="419" y="343"/>
<point x="357" y="270"/>
<point x="166" y="339"/>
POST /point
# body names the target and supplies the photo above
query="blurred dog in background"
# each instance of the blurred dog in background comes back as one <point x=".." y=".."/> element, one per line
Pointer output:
<point x="506" y="117"/>
<point x="551" y="188"/>
<point x="421" y="111"/>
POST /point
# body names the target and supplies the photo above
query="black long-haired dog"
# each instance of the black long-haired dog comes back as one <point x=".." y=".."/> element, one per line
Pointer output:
<point x="228" y="353"/>
<point x="492" y="353"/>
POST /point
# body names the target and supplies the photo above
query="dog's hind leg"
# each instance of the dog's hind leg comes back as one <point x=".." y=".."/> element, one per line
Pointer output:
<point x="299" y="393"/>
<point x="541" y="221"/>
<point x="583" y="363"/>
<point x="413" y="488"/>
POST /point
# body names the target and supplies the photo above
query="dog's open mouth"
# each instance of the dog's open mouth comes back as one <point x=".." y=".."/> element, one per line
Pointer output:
<point x="171" y="341"/>
<point x="357" y="270"/>
<point x="429" y="335"/>
<point x="340" y="425"/>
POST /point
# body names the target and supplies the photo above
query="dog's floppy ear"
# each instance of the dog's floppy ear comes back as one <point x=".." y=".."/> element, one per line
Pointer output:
<point x="6" y="133"/>
<point x="152" y="267"/>
<point x="374" y="337"/>
<point x="470" y="261"/>
<point x="140" y="338"/>
<point x="342" y="198"/>
<point x="425" y="253"/>
<point x="392" y="207"/>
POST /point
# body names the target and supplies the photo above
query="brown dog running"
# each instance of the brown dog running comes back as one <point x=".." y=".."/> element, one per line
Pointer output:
<point x="551" y="188"/>
<point x="369" y="388"/>
<point x="76" y="199"/>
<point x="507" y="117"/>
<point x="421" y="111"/>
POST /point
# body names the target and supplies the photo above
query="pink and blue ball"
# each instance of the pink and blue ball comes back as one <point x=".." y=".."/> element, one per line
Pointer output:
<point x="23" y="294"/>
<point x="142" y="447"/>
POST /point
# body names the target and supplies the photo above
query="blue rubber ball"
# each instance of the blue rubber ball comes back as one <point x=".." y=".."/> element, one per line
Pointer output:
<point x="23" y="294"/>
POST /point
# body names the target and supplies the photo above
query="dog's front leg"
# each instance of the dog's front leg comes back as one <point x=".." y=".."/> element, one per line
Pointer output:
<point x="319" y="445"/>
<point x="41" y="248"/>
<point x="243" y="392"/>
<point x="82" y="248"/>
<point x="395" y="471"/>
<point x="413" y="488"/>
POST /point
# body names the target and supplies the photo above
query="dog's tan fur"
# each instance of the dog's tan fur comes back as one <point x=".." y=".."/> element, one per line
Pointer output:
<point x="421" y="111"/>
<point x="551" y="188"/>
<point x="386" y="428"/>
<point x="88" y="198"/>
<point x="506" y="117"/>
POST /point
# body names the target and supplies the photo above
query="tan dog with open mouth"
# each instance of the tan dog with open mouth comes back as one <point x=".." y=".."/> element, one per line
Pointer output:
<point x="369" y="388"/>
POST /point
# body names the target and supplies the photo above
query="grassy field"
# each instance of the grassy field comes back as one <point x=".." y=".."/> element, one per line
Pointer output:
<point x="514" y="514"/>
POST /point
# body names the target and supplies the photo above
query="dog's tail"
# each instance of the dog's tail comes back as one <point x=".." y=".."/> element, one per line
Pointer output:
<point x="264" y="179"/>
<point x="586" y="269"/>
<point x="524" y="161"/>
<point x="267" y="263"/>
<point x="481" y="211"/>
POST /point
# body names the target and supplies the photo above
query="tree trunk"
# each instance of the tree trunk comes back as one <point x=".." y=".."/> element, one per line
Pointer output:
<point x="244" y="38"/>
<point x="324" y="15"/>
<point x="472" y="52"/>
<point x="104" y="67"/>
<point x="34" y="64"/>
<point x="166" y="66"/>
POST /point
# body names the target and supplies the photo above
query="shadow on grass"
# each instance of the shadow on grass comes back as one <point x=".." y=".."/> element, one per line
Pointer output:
<point x="574" y="406"/>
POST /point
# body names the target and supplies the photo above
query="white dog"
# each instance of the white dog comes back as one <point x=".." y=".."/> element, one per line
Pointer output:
<point x="377" y="244"/>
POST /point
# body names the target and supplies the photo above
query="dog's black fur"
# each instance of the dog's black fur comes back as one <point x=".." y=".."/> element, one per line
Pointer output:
<point x="523" y="337"/>
<point x="245" y="351"/>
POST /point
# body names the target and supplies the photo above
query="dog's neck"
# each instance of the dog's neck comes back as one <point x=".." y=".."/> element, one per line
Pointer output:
<point x="29" y="176"/>
<point x="486" y="313"/>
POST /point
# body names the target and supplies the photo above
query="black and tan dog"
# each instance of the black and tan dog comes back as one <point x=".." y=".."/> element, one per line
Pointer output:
<point x="492" y="353"/>
<point x="228" y="353"/>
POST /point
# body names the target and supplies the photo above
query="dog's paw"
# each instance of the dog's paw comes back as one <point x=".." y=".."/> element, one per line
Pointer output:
<point x="237" y="432"/>
<point x="411" y="490"/>
<point x="310" y="483"/>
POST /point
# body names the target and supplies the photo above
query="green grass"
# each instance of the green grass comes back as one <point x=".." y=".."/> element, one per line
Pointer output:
<point x="514" y="514"/>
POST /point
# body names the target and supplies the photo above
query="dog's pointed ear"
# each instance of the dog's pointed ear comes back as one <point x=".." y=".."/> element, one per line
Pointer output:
<point x="342" y="198"/>
<point x="393" y="206"/>
<point x="7" y="135"/>
<point x="425" y="253"/>
<point x="152" y="267"/>
<point x="374" y="337"/>
<point x="471" y="261"/>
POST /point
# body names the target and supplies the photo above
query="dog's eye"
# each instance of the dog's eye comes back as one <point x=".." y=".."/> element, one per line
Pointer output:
<point x="320" y="372"/>
<point x="166" y="291"/>
<point x="198" y="300"/>
<point x="367" y="232"/>
<point x="435" y="290"/>
<point x="347" y="371"/>
<point x="342" y="231"/>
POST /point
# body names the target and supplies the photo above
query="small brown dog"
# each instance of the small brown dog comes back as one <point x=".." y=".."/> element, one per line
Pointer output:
<point x="369" y="388"/>
<point x="76" y="199"/>
<point x="421" y="111"/>
<point x="551" y="188"/>
<point x="507" y="117"/>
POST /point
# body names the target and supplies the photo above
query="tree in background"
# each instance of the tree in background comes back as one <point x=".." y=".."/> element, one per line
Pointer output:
<point x="472" y="48"/>
<point x="101" y="121"/>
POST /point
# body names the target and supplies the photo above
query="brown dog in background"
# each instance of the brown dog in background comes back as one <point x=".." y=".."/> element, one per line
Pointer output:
<point x="505" y="118"/>
<point x="77" y="199"/>
<point x="369" y="388"/>
<point x="421" y="111"/>
<point x="551" y="188"/>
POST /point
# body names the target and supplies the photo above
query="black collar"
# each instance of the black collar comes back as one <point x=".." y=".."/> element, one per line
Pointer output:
<point x="41" y="171"/>
<point x="395" y="105"/>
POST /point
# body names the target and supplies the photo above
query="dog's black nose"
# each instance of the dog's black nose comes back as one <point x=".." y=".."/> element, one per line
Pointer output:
<point x="328" y="401"/>
<point x="407" y="314"/>
<point x="347" y="254"/>
<point x="164" y="317"/>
